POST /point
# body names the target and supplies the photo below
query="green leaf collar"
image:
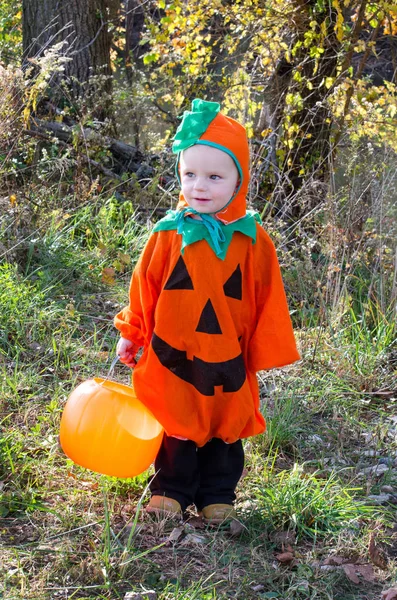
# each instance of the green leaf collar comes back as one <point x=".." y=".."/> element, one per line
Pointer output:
<point x="193" y="230"/>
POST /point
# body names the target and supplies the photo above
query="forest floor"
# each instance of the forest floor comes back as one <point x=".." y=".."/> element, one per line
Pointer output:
<point x="316" y="503"/>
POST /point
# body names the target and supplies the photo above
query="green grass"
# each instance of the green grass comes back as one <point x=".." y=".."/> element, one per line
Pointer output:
<point x="311" y="505"/>
<point x="286" y="419"/>
<point x="66" y="532"/>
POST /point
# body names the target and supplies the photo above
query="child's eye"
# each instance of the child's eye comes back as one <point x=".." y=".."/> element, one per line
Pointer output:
<point x="215" y="177"/>
<point x="189" y="174"/>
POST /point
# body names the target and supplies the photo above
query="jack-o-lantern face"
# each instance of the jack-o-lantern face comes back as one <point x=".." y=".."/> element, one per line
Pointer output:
<point x="202" y="374"/>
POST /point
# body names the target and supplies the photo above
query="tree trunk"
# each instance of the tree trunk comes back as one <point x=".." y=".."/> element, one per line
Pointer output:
<point x="301" y="164"/>
<point x="134" y="22"/>
<point x="83" y="27"/>
<point x="312" y="148"/>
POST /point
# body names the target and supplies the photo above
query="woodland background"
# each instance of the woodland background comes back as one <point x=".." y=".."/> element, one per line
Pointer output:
<point x="90" y="92"/>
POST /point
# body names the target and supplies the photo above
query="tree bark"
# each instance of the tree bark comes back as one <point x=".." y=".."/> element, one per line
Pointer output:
<point x="134" y="23"/>
<point x="306" y="162"/>
<point x="83" y="27"/>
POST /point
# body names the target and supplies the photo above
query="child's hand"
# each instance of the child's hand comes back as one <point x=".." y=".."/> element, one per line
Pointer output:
<point x="127" y="350"/>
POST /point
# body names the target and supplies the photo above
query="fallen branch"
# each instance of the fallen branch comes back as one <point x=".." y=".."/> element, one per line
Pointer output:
<point x="129" y="158"/>
<point x="85" y="158"/>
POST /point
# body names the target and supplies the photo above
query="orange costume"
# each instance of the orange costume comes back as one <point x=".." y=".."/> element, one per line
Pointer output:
<point x="207" y="304"/>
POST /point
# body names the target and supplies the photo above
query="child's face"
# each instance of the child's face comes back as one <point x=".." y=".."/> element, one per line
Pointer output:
<point x="209" y="178"/>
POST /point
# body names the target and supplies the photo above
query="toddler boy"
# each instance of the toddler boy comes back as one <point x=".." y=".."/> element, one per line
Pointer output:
<point x="207" y="305"/>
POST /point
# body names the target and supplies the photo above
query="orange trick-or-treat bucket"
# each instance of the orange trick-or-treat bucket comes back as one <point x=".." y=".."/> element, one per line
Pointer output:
<point x="105" y="428"/>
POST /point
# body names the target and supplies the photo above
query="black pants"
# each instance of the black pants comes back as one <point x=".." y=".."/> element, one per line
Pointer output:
<point x="200" y="476"/>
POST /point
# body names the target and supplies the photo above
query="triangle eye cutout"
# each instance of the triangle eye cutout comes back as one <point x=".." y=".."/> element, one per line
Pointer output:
<point x="208" y="321"/>
<point x="179" y="278"/>
<point x="233" y="287"/>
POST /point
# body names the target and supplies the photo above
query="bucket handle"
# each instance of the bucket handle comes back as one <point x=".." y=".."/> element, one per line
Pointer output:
<point x="111" y="368"/>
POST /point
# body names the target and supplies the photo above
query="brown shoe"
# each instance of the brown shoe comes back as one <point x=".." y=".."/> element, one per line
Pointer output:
<point x="164" y="508"/>
<point x="218" y="514"/>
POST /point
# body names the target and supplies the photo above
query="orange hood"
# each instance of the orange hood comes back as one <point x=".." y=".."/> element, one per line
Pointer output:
<point x="227" y="135"/>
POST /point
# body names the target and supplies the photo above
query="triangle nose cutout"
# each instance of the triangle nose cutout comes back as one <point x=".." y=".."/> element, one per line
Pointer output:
<point x="208" y="322"/>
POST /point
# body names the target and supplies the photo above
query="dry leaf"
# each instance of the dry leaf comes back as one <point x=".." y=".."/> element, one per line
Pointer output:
<point x="196" y="522"/>
<point x="193" y="539"/>
<point x="285" y="557"/>
<point x="390" y="594"/>
<point x="334" y="560"/>
<point x="124" y="258"/>
<point x="258" y="588"/>
<point x="329" y="568"/>
<point x="376" y="554"/>
<point x="366" y="572"/>
<point x="350" y="571"/>
<point x="92" y="485"/>
<point x="175" y="534"/>
<point x="108" y="276"/>
<point x="236" y="528"/>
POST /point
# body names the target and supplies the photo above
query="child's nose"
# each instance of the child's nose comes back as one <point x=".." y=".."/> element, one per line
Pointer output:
<point x="200" y="183"/>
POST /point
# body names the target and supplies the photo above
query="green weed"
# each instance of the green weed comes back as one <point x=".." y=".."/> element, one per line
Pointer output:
<point x="305" y="503"/>
<point x="365" y="337"/>
<point x="24" y="314"/>
<point x="285" y="421"/>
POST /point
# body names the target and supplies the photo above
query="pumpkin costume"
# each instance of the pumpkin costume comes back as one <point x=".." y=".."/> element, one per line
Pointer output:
<point x="207" y="304"/>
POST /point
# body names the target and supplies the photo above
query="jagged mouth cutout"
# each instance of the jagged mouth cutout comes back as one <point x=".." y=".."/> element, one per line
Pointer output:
<point x="203" y="375"/>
